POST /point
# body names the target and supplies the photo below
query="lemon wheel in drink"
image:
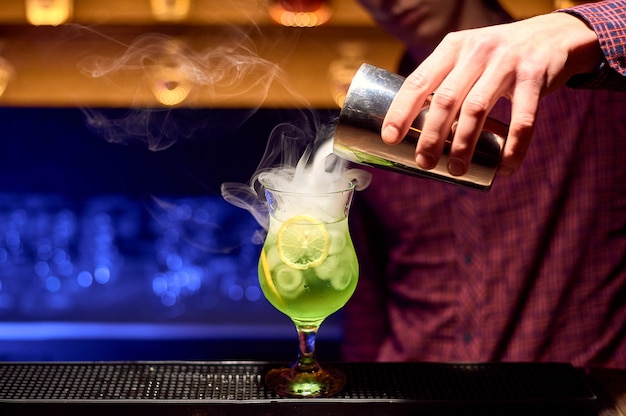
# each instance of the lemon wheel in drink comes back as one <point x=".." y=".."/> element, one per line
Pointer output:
<point x="302" y="242"/>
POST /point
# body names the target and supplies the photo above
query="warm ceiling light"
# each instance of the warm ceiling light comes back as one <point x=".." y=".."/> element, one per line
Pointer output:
<point x="170" y="10"/>
<point x="48" y="12"/>
<point x="300" y="13"/>
<point x="171" y="83"/>
<point x="170" y="88"/>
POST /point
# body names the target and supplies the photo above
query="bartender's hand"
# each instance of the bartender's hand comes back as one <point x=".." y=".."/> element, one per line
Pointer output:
<point x="470" y="70"/>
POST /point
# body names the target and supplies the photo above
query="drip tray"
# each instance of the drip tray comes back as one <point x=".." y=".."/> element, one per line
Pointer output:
<point x="236" y="388"/>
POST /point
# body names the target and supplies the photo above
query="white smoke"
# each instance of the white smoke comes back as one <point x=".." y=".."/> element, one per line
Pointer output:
<point x="298" y="155"/>
<point x="226" y="66"/>
<point x="296" y="160"/>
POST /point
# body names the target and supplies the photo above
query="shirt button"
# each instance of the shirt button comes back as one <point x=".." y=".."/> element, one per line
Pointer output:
<point x="468" y="258"/>
<point x="467" y="337"/>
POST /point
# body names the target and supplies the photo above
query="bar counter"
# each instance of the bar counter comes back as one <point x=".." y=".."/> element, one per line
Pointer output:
<point x="237" y="388"/>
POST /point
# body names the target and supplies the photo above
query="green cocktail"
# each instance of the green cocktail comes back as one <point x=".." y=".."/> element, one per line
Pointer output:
<point x="308" y="270"/>
<point x="305" y="288"/>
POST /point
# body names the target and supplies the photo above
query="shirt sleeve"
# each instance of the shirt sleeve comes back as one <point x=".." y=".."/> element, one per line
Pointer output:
<point x="608" y="20"/>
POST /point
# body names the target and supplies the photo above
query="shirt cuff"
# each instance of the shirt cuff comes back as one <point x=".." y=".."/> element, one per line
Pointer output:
<point x="604" y="77"/>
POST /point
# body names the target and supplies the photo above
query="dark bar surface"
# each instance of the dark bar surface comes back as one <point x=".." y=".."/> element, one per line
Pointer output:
<point x="237" y="388"/>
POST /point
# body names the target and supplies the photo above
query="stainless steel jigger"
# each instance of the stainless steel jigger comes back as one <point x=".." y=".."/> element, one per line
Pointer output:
<point x="357" y="134"/>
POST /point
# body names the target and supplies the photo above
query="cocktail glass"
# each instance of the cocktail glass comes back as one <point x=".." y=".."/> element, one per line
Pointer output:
<point x="308" y="270"/>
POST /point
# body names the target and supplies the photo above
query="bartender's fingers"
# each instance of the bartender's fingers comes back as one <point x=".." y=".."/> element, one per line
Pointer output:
<point x="469" y="91"/>
<point x="524" y="104"/>
<point x="466" y="133"/>
<point x="411" y="96"/>
<point x="438" y="125"/>
<point x="493" y="83"/>
<point x="405" y="106"/>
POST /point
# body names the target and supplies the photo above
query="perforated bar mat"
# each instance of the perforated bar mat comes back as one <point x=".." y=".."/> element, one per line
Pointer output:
<point x="236" y="388"/>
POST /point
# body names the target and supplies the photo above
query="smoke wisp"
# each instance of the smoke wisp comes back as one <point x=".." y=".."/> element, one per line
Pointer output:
<point x="297" y="159"/>
<point x="225" y="68"/>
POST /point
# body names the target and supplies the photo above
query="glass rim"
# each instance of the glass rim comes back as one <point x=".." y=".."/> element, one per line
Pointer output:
<point x="351" y="186"/>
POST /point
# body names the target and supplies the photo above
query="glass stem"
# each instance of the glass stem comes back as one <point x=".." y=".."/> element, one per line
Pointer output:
<point x="307" y="360"/>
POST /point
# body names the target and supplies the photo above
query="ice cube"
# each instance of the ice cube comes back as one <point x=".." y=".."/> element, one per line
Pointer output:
<point x="338" y="241"/>
<point x="338" y="270"/>
<point x="273" y="259"/>
<point x="342" y="277"/>
<point x="289" y="282"/>
<point x="329" y="267"/>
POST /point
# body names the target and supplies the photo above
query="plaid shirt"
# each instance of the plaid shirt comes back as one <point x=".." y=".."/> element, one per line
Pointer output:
<point x="534" y="270"/>
<point x="608" y="21"/>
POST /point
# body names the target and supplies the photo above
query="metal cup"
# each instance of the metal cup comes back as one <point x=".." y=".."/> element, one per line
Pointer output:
<point x="357" y="134"/>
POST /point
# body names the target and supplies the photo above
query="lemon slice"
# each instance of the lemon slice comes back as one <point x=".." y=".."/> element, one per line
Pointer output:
<point x="268" y="277"/>
<point x="302" y="242"/>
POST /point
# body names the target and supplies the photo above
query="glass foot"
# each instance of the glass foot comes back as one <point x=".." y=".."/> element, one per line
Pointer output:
<point x="288" y="382"/>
